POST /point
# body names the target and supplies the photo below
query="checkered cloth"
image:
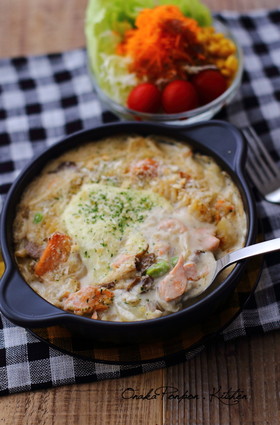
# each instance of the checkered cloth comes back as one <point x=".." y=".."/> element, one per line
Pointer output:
<point x="46" y="97"/>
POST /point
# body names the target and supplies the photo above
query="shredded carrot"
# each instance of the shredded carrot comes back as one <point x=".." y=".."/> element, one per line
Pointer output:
<point x="57" y="251"/>
<point x="163" y="39"/>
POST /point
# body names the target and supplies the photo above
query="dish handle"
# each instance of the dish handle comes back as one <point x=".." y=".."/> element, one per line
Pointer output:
<point x="222" y="138"/>
<point x="23" y="306"/>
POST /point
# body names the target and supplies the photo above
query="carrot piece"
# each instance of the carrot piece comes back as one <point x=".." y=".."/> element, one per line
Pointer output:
<point x="57" y="251"/>
<point x="88" y="300"/>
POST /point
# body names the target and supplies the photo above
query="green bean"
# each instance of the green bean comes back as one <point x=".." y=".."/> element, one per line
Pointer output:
<point x="38" y="217"/>
<point x="158" y="269"/>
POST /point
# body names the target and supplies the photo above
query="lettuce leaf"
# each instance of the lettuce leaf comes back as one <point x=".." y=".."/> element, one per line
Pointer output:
<point x="106" y="22"/>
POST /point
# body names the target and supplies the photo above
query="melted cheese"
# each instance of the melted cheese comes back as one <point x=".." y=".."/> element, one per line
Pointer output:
<point x="103" y="221"/>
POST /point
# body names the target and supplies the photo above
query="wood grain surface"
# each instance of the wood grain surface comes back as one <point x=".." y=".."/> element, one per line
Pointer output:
<point x="249" y="366"/>
<point x="48" y="26"/>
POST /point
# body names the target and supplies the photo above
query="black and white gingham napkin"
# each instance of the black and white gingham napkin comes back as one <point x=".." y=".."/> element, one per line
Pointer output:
<point x="44" y="98"/>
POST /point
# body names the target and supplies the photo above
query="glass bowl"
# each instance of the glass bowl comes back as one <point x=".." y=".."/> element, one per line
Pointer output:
<point x="201" y="113"/>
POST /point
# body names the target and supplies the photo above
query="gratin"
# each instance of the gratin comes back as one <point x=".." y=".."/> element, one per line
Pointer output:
<point x="127" y="228"/>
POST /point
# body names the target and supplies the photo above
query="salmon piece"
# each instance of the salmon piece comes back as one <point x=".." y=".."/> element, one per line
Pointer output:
<point x="124" y="261"/>
<point x="89" y="300"/>
<point x="56" y="252"/>
<point x="191" y="271"/>
<point x="202" y="239"/>
<point x="173" y="225"/>
<point x="145" y="168"/>
<point x="123" y="265"/>
<point x="175" y="283"/>
<point x="130" y="262"/>
<point x="162" y="248"/>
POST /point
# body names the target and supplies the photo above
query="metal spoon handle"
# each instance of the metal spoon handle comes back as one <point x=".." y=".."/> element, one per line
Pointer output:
<point x="247" y="252"/>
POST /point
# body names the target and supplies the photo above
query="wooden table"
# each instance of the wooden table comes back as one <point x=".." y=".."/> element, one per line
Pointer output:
<point x="250" y="365"/>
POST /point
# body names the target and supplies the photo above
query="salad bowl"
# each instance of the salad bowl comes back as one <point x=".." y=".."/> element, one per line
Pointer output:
<point x="23" y="306"/>
<point x="109" y="78"/>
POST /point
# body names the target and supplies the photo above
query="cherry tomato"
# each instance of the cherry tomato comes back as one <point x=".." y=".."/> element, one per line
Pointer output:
<point x="209" y="84"/>
<point x="144" y="98"/>
<point x="179" y="96"/>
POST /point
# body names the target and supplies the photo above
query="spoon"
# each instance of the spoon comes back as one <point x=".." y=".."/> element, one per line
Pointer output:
<point x="243" y="253"/>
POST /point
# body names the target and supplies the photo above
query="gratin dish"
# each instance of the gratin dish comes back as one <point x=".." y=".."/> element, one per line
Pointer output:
<point x="20" y="304"/>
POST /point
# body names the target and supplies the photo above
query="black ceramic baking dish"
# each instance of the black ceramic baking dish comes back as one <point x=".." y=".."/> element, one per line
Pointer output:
<point x="20" y="304"/>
